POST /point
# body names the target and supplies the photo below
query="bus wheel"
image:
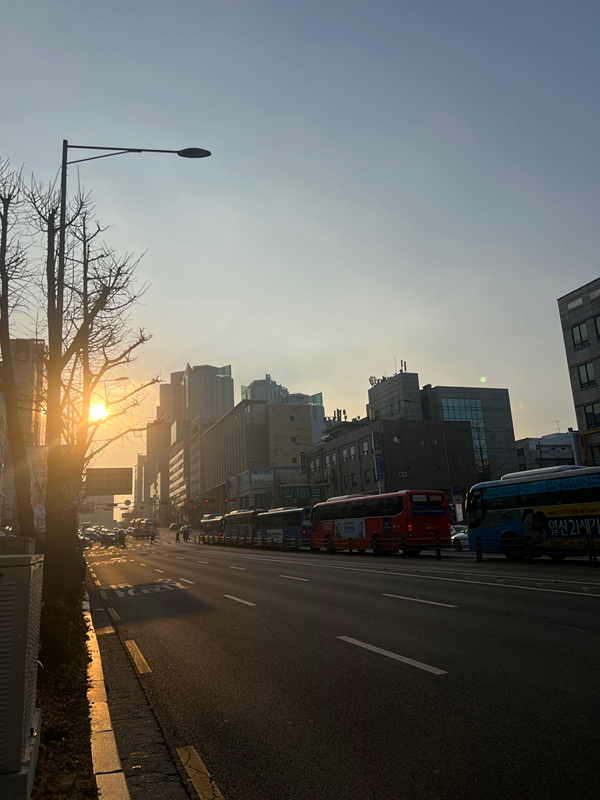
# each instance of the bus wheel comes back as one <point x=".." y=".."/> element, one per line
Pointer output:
<point x="328" y="546"/>
<point x="376" y="546"/>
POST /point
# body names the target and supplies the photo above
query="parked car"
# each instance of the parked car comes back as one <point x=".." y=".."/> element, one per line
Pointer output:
<point x="460" y="537"/>
<point x="174" y="526"/>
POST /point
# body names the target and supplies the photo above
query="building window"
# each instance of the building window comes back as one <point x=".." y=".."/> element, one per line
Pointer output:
<point x="598" y="327"/>
<point x="294" y="460"/>
<point x="587" y="377"/>
<point x="292" y="419"/>
<point x="318" y="463"/>
<point x="327" y="462"/>
<point x="435" y="441"/>
<point x="353" y="478"/>
<point x="344" y="454"/>
<point x="365" y="448"/>
<point x="422" y="441"/>
<point x="521" y="451"/>
<point x="595" y="453"/>
<point x="293" y="438"/>
<point x="367" y="476"/>
<point x="592" y="416"/>
<point x="352" y="452"/>
<point x="312" y="466"/>
<point x="580" y="336"/>
<point x="334" y="458"/>
<point x="346" y="482"/>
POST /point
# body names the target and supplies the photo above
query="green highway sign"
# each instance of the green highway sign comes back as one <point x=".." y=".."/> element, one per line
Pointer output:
<point x="302" y="492"/>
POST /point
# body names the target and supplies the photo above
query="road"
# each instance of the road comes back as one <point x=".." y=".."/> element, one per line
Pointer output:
<point x="301" y="676"/>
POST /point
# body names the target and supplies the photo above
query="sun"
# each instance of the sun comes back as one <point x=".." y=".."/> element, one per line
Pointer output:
<point x="97" y="412"/>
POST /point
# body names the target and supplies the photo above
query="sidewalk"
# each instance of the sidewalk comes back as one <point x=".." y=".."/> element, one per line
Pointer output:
<point x="130" y="756"/>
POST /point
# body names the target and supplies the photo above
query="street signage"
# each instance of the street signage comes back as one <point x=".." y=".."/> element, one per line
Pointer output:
<point x="303" y="462"/>
<point x="108" y="481"/>
<point x="302" y="492"/>
<point x="375" y="440"/>
<point x="378" y="466"/>
<point x="457" y="490"/>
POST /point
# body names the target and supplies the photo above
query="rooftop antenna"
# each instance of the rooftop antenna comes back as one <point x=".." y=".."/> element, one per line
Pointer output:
<point x="558" y="425"/>
<point x="395" y="366"/>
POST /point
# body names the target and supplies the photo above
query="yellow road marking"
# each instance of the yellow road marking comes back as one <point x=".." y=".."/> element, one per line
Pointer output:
<point x="138" y="658"/>
<point x="199" y="775"/>
<point x="114" y="615"/>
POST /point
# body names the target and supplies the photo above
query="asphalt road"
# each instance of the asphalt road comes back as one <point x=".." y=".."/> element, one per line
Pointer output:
<point x="301" y="676"/>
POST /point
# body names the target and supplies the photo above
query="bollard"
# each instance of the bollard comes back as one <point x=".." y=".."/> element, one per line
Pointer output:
<point x="479" y="549"/>
<point x="528" y="550"/>
<point x="350" y="547"/>
<point x="404" y="550"/>
<point x="438" y="549"/>
<point x="272" y="545"/>
<point x="297" y="548"/>
<point x="592" y="555"/>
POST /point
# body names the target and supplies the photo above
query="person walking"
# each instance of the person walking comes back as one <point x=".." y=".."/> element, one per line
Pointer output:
<point x="152" y="536"/>
<point x="176" y="536"/>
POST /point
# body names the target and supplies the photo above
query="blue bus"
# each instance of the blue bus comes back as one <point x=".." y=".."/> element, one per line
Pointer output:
<point x="211" y="524"/>
<point x="285" y="526"/>
<point x="240" y="524"/>
<point x="556" y="508"/>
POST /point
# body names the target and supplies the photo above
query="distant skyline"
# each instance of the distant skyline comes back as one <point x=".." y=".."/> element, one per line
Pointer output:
<point x="405" y="180"/>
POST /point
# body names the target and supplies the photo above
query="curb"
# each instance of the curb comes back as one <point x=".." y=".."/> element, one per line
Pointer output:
<point x="110" y="778"/>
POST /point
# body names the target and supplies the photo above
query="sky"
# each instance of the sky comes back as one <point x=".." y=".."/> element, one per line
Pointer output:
<point x="409" y="180"/>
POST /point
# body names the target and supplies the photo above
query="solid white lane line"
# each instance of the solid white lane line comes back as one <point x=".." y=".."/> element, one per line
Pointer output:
<point x="185" y="580"/>
<point x="239" y="600"/>
<point x="415" y="600"/>
<point x="293" y="578"/>
<point x="395" y="656"/>
<point x="203" y="562"/>
<point x="242" y="568"/>
<point x="160" y="570"/>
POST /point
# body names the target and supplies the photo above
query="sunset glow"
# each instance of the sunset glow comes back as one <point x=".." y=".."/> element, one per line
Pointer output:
<point x="97" y="412"/>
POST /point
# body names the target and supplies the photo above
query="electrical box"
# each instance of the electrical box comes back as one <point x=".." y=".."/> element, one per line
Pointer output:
<point x="20" y="609"/>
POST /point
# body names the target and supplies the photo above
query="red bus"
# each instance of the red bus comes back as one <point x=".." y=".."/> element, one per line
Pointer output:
<point x="415" y="520"/>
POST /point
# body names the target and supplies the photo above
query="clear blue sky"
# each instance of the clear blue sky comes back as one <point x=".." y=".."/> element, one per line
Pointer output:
<point x="410" y="179"/>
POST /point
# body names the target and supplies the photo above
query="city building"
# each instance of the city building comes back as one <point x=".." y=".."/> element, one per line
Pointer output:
<point x="179" y="465"/>
<point x="580" y="321"/>
<point x="253" y="447"/>
<point x="274" y="393"/>
<point x="549" y="451"/>
<point x="28" y="367"/>
<point x="392" y="455"/>
<point x="487" y="410"/>
<point x="138" y="480"/>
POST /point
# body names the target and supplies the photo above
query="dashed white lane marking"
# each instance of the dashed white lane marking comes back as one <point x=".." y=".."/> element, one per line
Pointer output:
<point x="181" y="558"/>
<point x="142" y="565"/>
<point x="114" y="615"/>
<point x="103" y="595"/>
<point x="160" y="570"/>
<point x="97" y="583"/>
<point x="293" y="578"/>
<point x="239" y="600"/>
<point x="132" y="561"/>
<point x="242" y="568"/>
<point x="203" y="562"/>
<point x="185" y="580"/>
<point x="411" y="662"/>
<point x="415" y="600"/>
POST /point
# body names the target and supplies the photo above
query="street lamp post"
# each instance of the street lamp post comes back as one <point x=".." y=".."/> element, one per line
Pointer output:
<point x="56" y="287"/>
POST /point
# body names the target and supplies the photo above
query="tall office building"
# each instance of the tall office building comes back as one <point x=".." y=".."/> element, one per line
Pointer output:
<point x="273" y="393"/>
<point x="580" y="322"/>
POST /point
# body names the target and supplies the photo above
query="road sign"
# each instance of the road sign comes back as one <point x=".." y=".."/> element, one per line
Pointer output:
<point x="303" y="462"/>
<point x="457" y="489"/>
<point x="110" y="481"/>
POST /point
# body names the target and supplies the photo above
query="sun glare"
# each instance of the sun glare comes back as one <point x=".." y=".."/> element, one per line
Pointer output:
<point x="97" y="412"/>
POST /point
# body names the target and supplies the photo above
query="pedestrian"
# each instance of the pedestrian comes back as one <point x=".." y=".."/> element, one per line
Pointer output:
<point x="153" y="537"/>
<point x="176" y="536"/>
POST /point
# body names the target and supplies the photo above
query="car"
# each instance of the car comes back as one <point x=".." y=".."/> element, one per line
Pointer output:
<point x="174" y="526"/>
<point x="460" y="537"/>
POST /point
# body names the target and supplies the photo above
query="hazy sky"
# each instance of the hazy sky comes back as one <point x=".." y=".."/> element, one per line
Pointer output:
<point x="389" y="179"/>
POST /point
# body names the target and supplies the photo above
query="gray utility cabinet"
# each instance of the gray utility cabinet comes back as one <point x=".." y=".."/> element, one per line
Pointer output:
<point x="20" y="608"/>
